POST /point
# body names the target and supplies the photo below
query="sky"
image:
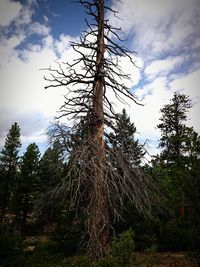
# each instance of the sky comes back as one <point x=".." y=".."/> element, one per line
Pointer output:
<point x="34" y="33"/>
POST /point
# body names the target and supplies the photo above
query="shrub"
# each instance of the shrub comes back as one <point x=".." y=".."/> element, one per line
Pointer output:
<point x="123" y="247"/>
<point x="80" y="261"/>
<point x="107" y="262"/>
<point x="44" y="255"/>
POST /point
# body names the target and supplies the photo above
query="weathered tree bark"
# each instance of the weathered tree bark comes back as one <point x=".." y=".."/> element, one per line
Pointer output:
<point x="93" y="178"/>
<point x="98" y="217"/>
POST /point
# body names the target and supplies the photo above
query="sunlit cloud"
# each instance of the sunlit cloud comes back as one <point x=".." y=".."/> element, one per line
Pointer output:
<point x="9" y="10"/>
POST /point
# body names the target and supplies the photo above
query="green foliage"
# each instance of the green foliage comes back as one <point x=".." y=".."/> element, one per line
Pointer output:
<point x="150" y="258"/>
<point x="173" y="130"/>
<point x="10" y="151"/>
<point x="108" y="262"/>
<point x="51" y="167"/>
<point x="68" y="233"/>
<point x="123" y="138"/>
<point x="49" y="254"/>
<point x="177" y="172"/>
<point x="80" y="261"/>
<point x="8" y="167"/>
<point x="46" y="254"/>
<point x="26" y="186"/>
<point x="122" y="253"/>
<point x="181" y="144"/>
<point x="152" y="249"/>
<point x="50" y="171"/>
<point x="123" y="247"/>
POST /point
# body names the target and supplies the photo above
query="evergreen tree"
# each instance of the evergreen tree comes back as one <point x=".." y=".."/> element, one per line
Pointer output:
<point x="192" y="146"/>
<point x="51" y="167"/>
<point x="123" y="138"/>
<point x="26" y="186"/>
<point x="173" y="129"/>
<point x="180" y="154"/>
<point x="192" y="163"/>
<point x="178" y="173"/>
<point x="8" y="167"/>
<point x="51" y="170"/>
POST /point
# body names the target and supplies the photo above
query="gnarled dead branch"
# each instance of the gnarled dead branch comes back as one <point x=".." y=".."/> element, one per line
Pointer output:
<point x="98" y="177"/>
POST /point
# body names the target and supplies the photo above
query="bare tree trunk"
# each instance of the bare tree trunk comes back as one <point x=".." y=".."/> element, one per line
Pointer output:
<point x="106" y="186"/>
<point x="98" y="221"/>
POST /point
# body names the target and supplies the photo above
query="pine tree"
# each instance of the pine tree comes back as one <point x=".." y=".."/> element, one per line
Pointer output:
<point x="51" y="167"/>
<point x="9" y="167"/>
<point x="26" y="186"/>
<point x="192" y="145"/>
<point x="123" y="138"/>
<point x="51" y="170"/>
<point x="181" y="151"/>
<point x="173" y="128"/>
<point x="192" y="168"/>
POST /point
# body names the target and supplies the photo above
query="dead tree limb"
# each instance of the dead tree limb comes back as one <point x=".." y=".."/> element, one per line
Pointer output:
<point x="98" y="175"/>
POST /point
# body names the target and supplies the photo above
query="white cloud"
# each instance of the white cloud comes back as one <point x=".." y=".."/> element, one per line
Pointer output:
<point x="156" y="94"/>
<point x="26" y="13"/>
<point x="163" y="67"/>
<point x="7" y="48"/>
<point x="196" y="44"/>
<point x="133" y="70"/>
<point x="31" y="122"/>
<point x="22" y="29"/>
<point x="25" y="90"/>
<point x="64" y="43"/>
<point x="14" y="11"/>
<point x="9" y="10"/>
<point x="38" y="28"/>
<point x="23" y="97"/>
<point x="159" y="26"/>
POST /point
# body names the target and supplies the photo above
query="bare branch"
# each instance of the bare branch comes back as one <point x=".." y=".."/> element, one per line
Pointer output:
<point x="99" y="177"/>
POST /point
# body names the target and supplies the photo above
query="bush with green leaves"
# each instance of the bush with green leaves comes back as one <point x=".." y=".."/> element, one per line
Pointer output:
<point x="108" y="262"/>
<point x="80" y="261"/>
<point x="45" y="255"/>
<point x="123" y="247"/>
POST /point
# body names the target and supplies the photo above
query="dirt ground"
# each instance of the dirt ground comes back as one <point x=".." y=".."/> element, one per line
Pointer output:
<point x="164" y="259"/>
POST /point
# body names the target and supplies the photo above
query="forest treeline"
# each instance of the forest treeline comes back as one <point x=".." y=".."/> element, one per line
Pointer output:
<point x="30" y="187"/>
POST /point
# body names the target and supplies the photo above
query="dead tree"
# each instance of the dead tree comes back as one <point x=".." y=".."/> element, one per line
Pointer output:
<point x="93" y="176"/>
